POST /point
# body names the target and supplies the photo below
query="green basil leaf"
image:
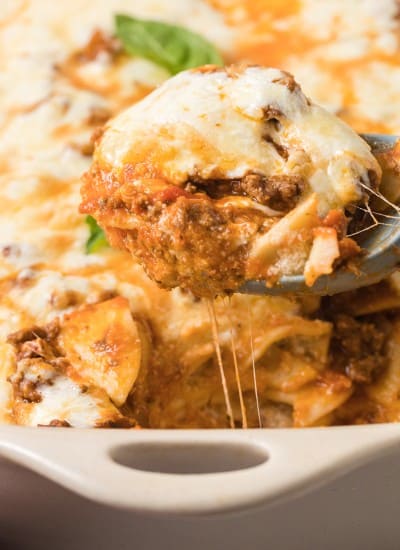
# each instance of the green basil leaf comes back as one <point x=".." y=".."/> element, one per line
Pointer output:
<point x="97" y="239"/>
<point x="170" y="46"/>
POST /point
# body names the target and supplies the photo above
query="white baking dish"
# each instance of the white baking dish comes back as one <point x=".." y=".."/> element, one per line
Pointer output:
<point x="358" y="511"/>
<point x="196" y="472"/>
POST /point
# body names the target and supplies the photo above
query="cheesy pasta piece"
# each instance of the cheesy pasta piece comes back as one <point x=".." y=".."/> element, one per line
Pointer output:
<point x="76" y="371"/>
<point x="104" y="343"/>
<point x="222" y="175"/>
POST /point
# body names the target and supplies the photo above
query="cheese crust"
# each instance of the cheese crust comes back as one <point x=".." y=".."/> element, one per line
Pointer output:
<point x="225" y="175"/>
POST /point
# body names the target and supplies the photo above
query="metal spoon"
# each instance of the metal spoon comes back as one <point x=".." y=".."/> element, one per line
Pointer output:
<point x="382" y="244"/>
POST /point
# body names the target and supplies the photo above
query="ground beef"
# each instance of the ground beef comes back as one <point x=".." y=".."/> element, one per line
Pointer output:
<point x="56" y="424"/>
<point x="192" y="231"/>
<point x="24" y="388"/>
<point x="120" y="422"/>
<point x="280" y="192"/>
<point x="35" y="349"/>
<point x="360" y="217"/>
<point x="283" y="191"/>
<point x="49" y="332"/>
<point x="358" y="346"/>
<point x="348" y="249"/>
<point x="32" y="345"/>
<point x="38" y="342"/>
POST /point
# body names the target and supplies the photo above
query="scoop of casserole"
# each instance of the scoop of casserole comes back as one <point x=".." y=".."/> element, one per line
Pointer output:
<point x="228" y="174"/>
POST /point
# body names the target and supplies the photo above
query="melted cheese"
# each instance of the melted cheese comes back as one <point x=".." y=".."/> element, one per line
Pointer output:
<point x="207" y="123"/>
<point x="64" y="400"/>
<point x="325" y="44"/>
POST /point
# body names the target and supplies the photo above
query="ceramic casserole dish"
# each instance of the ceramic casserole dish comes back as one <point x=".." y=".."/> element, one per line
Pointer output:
<point x="323" y="469"/>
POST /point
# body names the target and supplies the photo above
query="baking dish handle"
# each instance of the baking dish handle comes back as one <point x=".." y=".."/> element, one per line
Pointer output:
<point x="194" y="472"/>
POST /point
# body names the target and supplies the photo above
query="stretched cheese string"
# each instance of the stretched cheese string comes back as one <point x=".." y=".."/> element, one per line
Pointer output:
<point x="253" y="363"/>
<point x="237" y="373"/>
<point x="373" y="214"/>
<point x="214" y="328"/>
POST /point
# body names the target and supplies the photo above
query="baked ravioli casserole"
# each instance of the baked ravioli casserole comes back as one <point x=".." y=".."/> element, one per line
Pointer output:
<point x="154" y="156"/>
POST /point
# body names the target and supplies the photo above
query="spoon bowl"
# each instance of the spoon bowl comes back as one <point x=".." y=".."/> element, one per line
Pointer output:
<point x="382" y="253"/>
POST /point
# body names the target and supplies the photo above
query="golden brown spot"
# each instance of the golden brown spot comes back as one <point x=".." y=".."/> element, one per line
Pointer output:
<point x="98" y="115"/>
<point x="208" y="69"/>
<point x="287" y="80"/>
<point x="99" y="42"/>
<point x="55" y="423"/>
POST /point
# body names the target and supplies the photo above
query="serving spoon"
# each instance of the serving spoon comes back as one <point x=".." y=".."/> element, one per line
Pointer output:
<point x="381" y="244"/>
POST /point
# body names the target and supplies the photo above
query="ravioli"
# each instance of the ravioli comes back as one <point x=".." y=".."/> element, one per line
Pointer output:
<point x="225" y="175"/>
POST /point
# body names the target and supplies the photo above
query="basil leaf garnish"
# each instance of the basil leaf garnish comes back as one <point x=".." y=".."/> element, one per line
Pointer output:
<point x="97" y="239"/>
<point x="170" y="46"/>
<point x="174" y="48"/>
